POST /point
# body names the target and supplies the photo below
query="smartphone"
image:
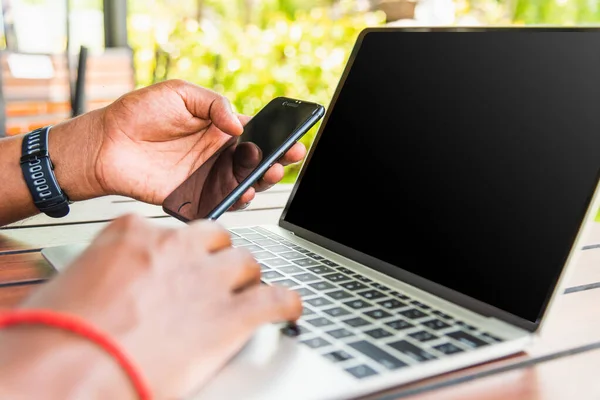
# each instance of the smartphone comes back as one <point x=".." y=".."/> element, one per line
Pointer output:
<point x="221" y="180"/>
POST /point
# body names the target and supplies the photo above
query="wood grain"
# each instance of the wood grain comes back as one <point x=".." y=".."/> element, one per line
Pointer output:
<point x="10" y="296"/>
<point x="25" y="267"/>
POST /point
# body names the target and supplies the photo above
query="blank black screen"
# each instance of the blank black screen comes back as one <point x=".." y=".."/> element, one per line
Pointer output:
<point x="467" y="158"/>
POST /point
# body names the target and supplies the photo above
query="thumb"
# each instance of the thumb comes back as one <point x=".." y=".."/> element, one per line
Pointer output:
<point x="208" y="105"/>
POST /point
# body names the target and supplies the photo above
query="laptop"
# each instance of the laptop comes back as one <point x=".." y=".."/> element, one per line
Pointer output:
<point x="436" y="217"/>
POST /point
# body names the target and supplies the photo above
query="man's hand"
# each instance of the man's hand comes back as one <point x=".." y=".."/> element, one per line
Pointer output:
<point x="180" y="302"/>
<point x="154" y="138"/>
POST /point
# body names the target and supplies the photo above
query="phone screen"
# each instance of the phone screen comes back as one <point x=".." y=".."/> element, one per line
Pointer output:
<point x="216" y="179"/>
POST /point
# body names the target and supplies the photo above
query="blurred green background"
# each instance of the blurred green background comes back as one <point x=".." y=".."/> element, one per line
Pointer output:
<point x="254" y="50"/>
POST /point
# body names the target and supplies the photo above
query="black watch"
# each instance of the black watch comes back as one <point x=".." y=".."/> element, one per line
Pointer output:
<point x="37" y="169"/>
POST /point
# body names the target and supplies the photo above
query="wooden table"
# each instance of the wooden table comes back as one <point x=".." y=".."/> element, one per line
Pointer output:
<point x="564" y="364"/>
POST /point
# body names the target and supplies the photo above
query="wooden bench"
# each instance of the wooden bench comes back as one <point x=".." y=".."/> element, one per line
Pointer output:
<point x="31" y="103"/>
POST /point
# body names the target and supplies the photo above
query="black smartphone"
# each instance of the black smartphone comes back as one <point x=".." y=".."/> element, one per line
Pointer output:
<point x="220" y="181"/>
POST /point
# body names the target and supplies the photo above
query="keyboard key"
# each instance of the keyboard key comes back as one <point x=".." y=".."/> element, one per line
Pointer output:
<point x="419" y="304"/>
<point x="399" y="295"/>
<point x="448" y="348"/>
<point x="358" y="304"/>
<point x="252" y="248"/>
<point x="339" y="295"/>
<point x="254" y="229"/>
<point x="376" y="354"/>
<point x="290" y="269"/>
<point x="320" y="321"/>
<point x="321" y="269"/>
<point x="337" y="356"/>
<point x="288" y="283"/>
<point x="318" y="302"/>
<point x="340" y="333"/>
<point x="441" y="315"/>
<point x="399" y="324"/>
<point x="304" y="292"/>
<point x="362" y="278"/>
<point x="315" y="256"/>
<point x="321" y="285"/>
<point x="491" y="337"/>
<point x="372" y="294"/>
<point x="265" y="242"/>
<point x="300" y="249"/>
<point x="467" y="339"/>
<point x="306" y="262"/>
<point x="242" y="231"/>
<point x="263" y="267"/>
<point x="253" y="236"/>
<point x="345" y="270"/>
<point x="337" y="277"/>
<point x="412" y="351"/>
<point x="361" y="371"/>
<point x="316" y="342"/>
<point x="329" y="263"/>
<point x="413" y="313"/>
<point x="435" y="324"/>
<point x="271" y="275"/>
<point x="378" y="333"/>
<point x="276" y="262"/>
<point x="307" y="311"/>
<point x="377" y="314"/>
<point x="353" y="285"/>
<point x="306" y="277"/>
<point x="423" y="336"/>
<point x="465" y="325"/>
<point x="293" y="330"/>
<point x="261" y="255"/>
<point x="240" y="242"/>
<point x="379" y="286"/>
<point x="356" y="322"/>
<point x="286" y="243"/>
<point x="277" y="248"/>
<point x="291" y="255"/>
<point x="337" y="312"/>
<point x="392" y="304"/>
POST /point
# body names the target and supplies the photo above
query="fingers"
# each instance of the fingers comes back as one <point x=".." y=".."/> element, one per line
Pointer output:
<point x="275" y="174"/>
<point x="263" y="304"/>
<point x="295" y="154"/>
<point x="271" y="177"/>
<point x="207" y="235"/>
<point x="208" y="105"/>
<point x="238" y="268"/>
<point x="244" y="201"/>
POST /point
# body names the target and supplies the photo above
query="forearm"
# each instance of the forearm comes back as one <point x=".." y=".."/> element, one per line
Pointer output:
<point x="72" y="147"/>
<point x="39" y="362"/>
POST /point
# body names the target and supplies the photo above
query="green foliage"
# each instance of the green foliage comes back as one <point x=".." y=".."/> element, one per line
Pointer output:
<point x="276" y="54"/>
<point x="563" y="12"/>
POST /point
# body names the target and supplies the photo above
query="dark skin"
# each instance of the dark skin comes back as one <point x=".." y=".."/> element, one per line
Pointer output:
<point x="183" y="296"/>
<point x="142" y="146"/>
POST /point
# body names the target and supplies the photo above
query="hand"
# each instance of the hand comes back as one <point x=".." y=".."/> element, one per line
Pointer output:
<point x="155" y="137"/>
<point x="180" y="303"/>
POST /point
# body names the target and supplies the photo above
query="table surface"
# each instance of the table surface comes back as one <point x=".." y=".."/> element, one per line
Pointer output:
<point x="562" y="364"/>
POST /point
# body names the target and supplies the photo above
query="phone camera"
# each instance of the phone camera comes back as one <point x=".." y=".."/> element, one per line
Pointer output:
<point x="285" y="103"/>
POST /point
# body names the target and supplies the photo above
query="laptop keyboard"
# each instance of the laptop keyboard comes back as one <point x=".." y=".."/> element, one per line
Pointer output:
<point x="363" y="326"/>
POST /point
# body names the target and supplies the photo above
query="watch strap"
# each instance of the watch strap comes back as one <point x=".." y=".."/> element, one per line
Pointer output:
<point x="38" y="172"/>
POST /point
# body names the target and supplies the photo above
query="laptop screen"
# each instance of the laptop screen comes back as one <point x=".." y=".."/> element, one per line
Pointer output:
<point x="464" y="158"/>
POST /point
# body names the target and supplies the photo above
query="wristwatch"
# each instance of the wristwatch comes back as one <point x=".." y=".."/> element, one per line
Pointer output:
<point x="38" y="172"/>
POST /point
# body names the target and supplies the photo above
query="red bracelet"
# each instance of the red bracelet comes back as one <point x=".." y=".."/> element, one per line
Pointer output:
<point x="81" y="328"/>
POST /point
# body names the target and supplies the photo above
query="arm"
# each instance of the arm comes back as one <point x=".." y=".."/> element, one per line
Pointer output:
<point x="70" y="151"/>
<point x="141" y="146"/>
